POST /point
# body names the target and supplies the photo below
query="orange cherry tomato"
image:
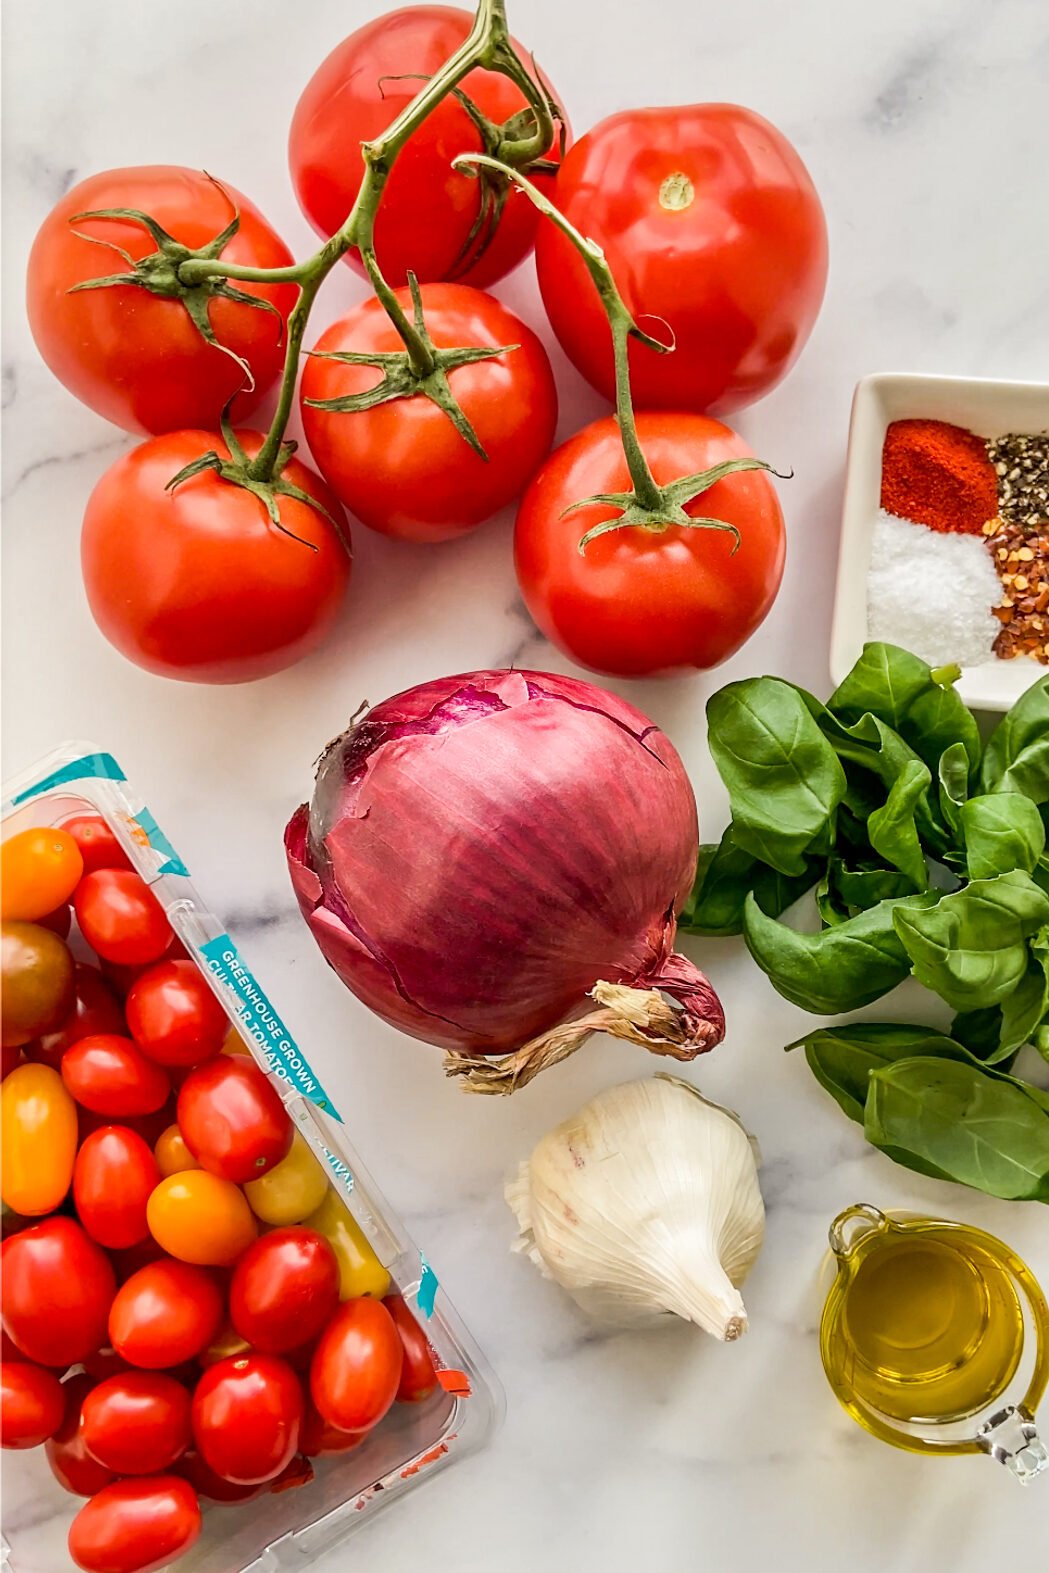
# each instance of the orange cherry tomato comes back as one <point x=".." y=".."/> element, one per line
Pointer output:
<point x="39" y="1133"/>
<point x="172" y="1154"/>
<point x="39" y="871"/>
<point x="199" y="1218"/>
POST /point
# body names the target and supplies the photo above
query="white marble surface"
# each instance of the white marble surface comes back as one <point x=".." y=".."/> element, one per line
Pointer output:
<point x="924" y="127"/>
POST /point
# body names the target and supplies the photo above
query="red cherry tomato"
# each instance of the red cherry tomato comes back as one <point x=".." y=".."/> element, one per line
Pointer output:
<point x="57" y="1290"/>
<point x="640" y="603"/>
<point x="115" y="1172"/>
<point x="31" y="1404"/>
<point x="284" y="1289"/>
<point x="418" y="1374"/>
<point x="357" y="1364"/>
<point x="173" y="1015"/>
<point x="135" y="1526"/>
<point x="119" y="915"/>
<point x="121" y="977"/>
<point x="135" y="356"/>
<point x="430" y="215"/>
<point x="136" y="1423"/>
<point x="709" y="221"/>
<point x="164" y="1314"/>
<point x="246" y="1417"/>
<point x="127" y="1263"/>
<point x="207" y="1483"/>
<point x="108" y="1075"/>
<point x="99" y="847"/>
<point x="317" y="1436"/>
<point x="402" y="467"/>
<point x="96" y="1008"/>
<point x="218" y="593"/>
<point x="71" y="1464"/>
<point x="232" y="1119"/>
<point x="59" y="921"/>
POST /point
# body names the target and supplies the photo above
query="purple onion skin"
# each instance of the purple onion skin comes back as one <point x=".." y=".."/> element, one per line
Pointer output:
<point x="480" y="850"/>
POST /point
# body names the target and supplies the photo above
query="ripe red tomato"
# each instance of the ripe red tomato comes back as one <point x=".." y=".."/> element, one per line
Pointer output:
<point x="96" y="1008"/>
<point x="640" y="603"/>
<point x="709" y="221"/>
<point x="246" y="1417"/>
<point x="115" y="1172"/>
<point x="206" y="1482"/>
<point x="402" y="468"/>
<point x="59" y="921"/>
<point x="99" y="847"/>
<point x="317" y="1436"/>
<point x="136" y="1423"/>
<point x="357" y="1364"/>
<point x="120" y="917"/>
<point x="134" y="356"/>
<point x="232" y="1119"/>
<point x="418" y="1374"/>
<point x="174" y="1016"/>
<point x="212" y="592"/>
<point x="284" y="1289"/>
<point x="107" y="1074"/>
<point x="31" y="1404"/>
<point x="164" y="1314"/>
<point x="57" y="1290"/>
<point x="71" y="1463"/>
<point x="135" y="1526"/>
<point x="429" y="211"/>
<point x="122" y="977"/>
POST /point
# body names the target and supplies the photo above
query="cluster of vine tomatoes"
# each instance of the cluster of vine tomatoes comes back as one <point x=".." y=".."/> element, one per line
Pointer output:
<point x="711" y="225"/>
<point x="189" y="1309"/>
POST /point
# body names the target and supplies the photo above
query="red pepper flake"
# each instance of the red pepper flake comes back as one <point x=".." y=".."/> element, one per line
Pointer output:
<point x="938" y="475"/>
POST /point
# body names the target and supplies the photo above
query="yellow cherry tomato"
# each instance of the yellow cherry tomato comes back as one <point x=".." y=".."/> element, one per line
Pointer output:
<point x="291" y="1190"/>
<point x="172" y="1154"/>
<point x="200" y="1218"/>
<point x="226" y="1343"/>
<point x="39" y="1133"/>
<point x="39" y="871"/>
<point x="360" y="1270"/>
<point x="234" y="1043"/>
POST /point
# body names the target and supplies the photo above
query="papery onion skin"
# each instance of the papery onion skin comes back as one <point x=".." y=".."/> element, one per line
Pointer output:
<point x="482" y="849"/>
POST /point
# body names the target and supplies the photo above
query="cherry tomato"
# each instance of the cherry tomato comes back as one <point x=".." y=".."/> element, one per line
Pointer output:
<point x="402" y="467"/>
<point x="60" y="921"/>
<point x="198" y="1217"/>
<point x="356" y="1368"/>
<point x="71" y="1463"/>
<point x="134" y="356"/>
<point x="107" y="1074"/>
<point x="430" y="217"/>
<point x="31" y="1404"/>
<point x="226" y="1343"/>
<point x="120" y="917"/>
<point x="128" y="1262"/>
<point x="232" y="1118"/>
<point x="284" y="1289"/>
<point x="172" y="1154"/>
<point x="246" y="1417"/>
<point x="39" y="1140"/>
<point x="418" y="1374"/>
<point x="165" y="1314"/>
<point x="39" y="872"/>
<point x="122" y="977"/>
<point x="639" y="603"/>
<point x="136" y="1423"/>
<point x="292" y="1189"/>
<point x="709" y="221"/>
<point x="317" y="1436"/>
<point x="36" y="986"/>
<point x="11" y="1059"/>
<point x="360" y="1270"/>
<point x="114" y="1175"/>
<point x="99" y="847"/>
<point x="173" y="1015"/>
<point x="58" y="1287"/>
<point x="95" y="1009"/>
<point x="135" y="1526"/>
<point x="206" y="1482"/>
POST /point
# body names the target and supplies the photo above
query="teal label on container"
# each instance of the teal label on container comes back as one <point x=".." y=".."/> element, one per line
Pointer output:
<point x="160" y="843"/>
<point x="262" y="1024"/>
<point x="428" y="1287"/>
<point x="98" y="767"/>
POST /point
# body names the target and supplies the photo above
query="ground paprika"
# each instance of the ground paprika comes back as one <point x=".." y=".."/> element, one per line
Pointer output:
<point x="938" y="475"/>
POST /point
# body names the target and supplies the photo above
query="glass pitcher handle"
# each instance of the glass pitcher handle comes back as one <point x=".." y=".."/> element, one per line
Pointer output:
<point x="1010" y="1437"/>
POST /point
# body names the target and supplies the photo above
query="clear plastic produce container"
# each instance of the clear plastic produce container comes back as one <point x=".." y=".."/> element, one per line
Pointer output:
<point x="291" y="1527"/>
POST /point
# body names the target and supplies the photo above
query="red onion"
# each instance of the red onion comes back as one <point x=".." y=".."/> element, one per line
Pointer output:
<point x="484" y="851"/>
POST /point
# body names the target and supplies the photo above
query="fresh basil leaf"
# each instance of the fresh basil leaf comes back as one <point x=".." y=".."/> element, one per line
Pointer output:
<point x="842" y="1058"/>
<point x="1041" y="1043"/>
<point x="783" y="778"/>
<point x="1040" y="873"/>
<point x="953" y="777"/>
<point x="830" y="909"/>
<point x="1016" y="758"/>
<point x="863" y="888"/>
<point x="885" y="680"/>
<point x="938" y="720"/>
<point x="724" y="876"/>
<point x="892" y="830"/>
<point x="840" y="968"/>
<point x="869" y="745"/>
<point x="1025" y="1008"/>
<point x="979" y="1030"/>
<point x="1003" y="831"/>
<point x="977" y="1129"/>
<point x="970" y="947"/>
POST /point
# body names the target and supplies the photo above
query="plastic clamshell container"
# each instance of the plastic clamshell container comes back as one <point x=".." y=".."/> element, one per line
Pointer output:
<point x="982" y="405"/>
<point x="291" y="1527"/>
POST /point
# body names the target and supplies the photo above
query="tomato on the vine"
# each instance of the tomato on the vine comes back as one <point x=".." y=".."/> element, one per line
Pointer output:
<point x="640" y="602"/>
<point x="136" y="1423"/>
<point x="357" y="1365"/>
<point x="213" y="591"/>
<point x="114" y="1174"/>
<point x="135" y="1526"/>
<point x="165" y="1313"/>
<point x="246" y="1417"/>
<point x="402" y="467"/>
<point x="137" y="357"/>
<point x="120" y="917"/>
<point x="58" y="1287"/>
<point x="232" y="1119"/>
<point x="710" y="222"/>
<point x="432" y="219"/>
<point x="31" y="1404"/>
<point x="173" y="1015"/>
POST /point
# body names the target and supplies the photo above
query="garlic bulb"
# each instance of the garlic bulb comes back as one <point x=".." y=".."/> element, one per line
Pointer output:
<point x="645" y="1202"/>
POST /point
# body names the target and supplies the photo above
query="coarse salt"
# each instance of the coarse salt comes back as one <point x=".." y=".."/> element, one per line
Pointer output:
<point x="931" y="592"/>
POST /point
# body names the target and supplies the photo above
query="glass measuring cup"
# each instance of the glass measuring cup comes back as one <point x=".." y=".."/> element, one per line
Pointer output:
<point x="935" y="1337"/>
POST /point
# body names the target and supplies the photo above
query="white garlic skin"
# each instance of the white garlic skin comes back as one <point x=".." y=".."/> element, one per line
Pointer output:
<point x="645" y="1202"/>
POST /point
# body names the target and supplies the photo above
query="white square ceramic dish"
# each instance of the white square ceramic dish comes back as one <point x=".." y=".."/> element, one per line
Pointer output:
<point x="984" y="406"/>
